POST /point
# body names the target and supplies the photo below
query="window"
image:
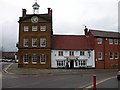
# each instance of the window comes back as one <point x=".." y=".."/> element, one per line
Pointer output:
<point x="110" y="41"/>
<point x="111" y="55"/>
<point x="82" y="53"/>
<point x="60" y="53"/>
<point x="34" y="42"/>
<point x="34" y="58"/>
<point x="116" y="41"/>
<point x="43" y="28"/>
<point x="26" y="42"/>
<point x="25" y="58"/>
<point x="34" y="28"/>
<point x="43" y="42"/>
<point x="71" y="53"/>
<point x="60" y="63"/>
<point x="42" y="59"/>
<point x="99" y="55"/>
<point x="99" y="40"/>
<point x="26" y="28"/>
<point x="82" y="63"/>
<point x="76" y="63"/>
<point x="116" y="55"/>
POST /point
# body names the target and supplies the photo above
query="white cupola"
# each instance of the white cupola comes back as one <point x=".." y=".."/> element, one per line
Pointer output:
<point x="35" y="8"/>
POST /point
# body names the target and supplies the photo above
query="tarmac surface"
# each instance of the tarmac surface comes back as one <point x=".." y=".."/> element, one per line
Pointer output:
<point x="13" y="69"/>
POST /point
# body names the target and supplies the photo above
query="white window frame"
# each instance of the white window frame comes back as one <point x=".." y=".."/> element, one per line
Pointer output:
<point x="43" y="59"/>
<point x="34" y="28"/>
<point x="82" y="63"/>
<point x="110" y="41"/>
<point x="34" y="42"/>
<point x="116" y="55"/>
<point x="34" y="58"/>
<point x="42" y="42"/>
<point x="26" y="42"/>
<point x="111" y="54"/>
<point x="25" y="58"/>
<point x="116" y="41"/>
<point x="76" y="63"/>
<point x="99" y="40"/>
<point x="43" y="28"/>
<point x="71" y="53"/>
<point x="60" y="63"/>
<point x="26" y="28"/>
<point x="82" y="53"/>
<point x="60" y="53"/>
<point x="100" y="55"/>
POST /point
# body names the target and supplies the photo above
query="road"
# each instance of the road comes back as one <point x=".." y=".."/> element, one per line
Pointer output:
<point x="81" y="80"/>
<point x="0" y="75"/>
<point x="110" y="83"/>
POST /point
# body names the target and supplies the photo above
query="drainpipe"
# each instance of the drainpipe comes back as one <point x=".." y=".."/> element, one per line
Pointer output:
<point x="104" y="52"/>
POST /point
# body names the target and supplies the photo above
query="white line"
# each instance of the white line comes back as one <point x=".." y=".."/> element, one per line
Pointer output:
<point x="7" y="68"/>
<point x="98" y="82"/>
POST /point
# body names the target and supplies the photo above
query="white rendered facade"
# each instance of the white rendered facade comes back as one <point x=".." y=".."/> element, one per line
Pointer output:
<point x="60" y="58"/>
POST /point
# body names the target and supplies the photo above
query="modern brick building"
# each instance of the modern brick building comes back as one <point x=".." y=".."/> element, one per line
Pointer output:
<point x="38" y="47"/>
<point x="106" y="46"/>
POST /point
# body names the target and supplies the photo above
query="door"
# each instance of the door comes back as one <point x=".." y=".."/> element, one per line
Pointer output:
<point x="71" y="64"/>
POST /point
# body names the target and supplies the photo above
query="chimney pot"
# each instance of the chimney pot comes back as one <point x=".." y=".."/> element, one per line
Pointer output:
<point x="86" y="30"/>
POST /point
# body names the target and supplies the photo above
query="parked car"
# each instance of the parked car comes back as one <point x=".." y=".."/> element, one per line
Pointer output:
<point x="118" y="75"/>
<point x="16" y="61"/>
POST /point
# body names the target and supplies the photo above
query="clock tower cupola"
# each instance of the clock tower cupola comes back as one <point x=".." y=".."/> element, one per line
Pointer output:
<point x="35" y="8"/>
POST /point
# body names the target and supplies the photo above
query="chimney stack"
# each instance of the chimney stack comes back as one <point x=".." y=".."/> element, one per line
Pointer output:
<point x="23" y="12"/>
<point x="49" y="11"/>
<point x="86" y="30"/>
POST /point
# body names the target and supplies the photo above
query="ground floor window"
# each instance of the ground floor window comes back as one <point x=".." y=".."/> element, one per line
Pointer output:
<point x="34" y="58"/>
<point x="82" y="63"/>
<point x="60" y="63"/>
<point x="42" y="58"/>
<point x="99" y="55"/>
<point x="25" y="58"/>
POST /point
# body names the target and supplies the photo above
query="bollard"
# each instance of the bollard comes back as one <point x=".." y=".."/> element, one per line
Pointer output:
<point x="94" y="82"/>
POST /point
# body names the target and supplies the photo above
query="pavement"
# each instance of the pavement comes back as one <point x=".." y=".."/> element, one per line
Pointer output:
<point x="13" y="69"/>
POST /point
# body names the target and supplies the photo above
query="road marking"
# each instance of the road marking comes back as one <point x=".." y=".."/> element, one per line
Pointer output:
<point x="101" y="81"/>
<point x="7" y="69"/>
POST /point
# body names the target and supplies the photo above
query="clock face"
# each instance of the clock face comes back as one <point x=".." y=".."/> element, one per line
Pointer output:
<point x="34" y="19"/>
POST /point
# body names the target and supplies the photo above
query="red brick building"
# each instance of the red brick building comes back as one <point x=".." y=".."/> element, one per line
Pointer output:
<point x="37" y="45"/>
<point x="107" y="48"/>
<point x="8" y="55"/>
<point x="35" y="31"/>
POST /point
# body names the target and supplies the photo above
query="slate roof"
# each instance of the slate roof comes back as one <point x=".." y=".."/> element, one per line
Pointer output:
<point x="108" y="34"/>
<point x="71" y="42"/>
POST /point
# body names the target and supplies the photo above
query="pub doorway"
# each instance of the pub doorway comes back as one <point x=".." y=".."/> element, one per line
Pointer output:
<point x="71" y="64"/>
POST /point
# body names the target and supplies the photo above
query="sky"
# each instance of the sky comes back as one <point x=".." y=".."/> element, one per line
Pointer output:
<point x="69" y="17"/>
